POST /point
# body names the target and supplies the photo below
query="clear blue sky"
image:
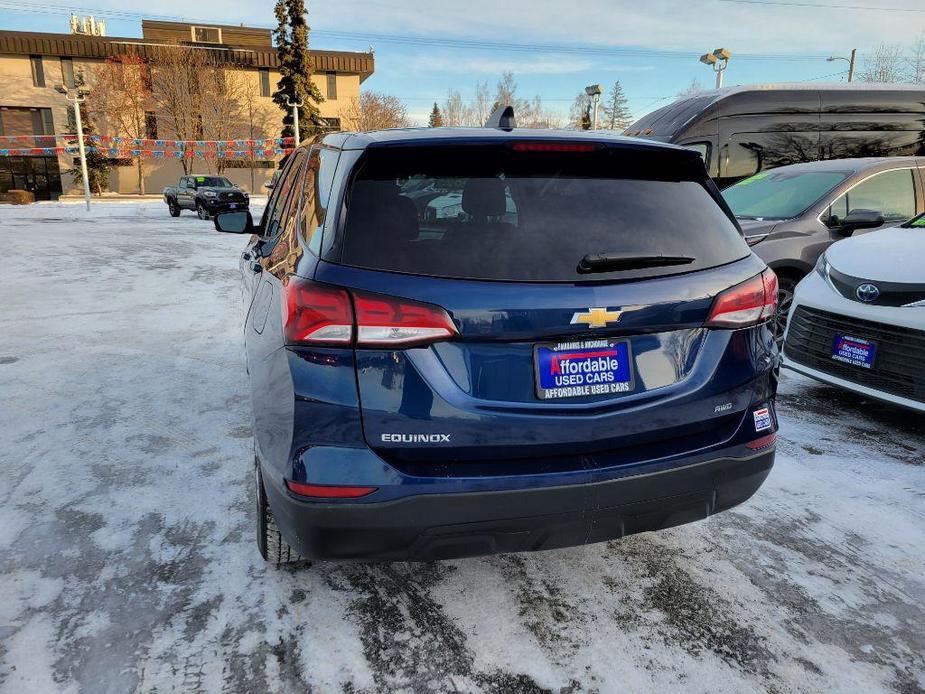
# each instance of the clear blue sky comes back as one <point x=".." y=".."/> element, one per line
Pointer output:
<point x="605" y="40"/>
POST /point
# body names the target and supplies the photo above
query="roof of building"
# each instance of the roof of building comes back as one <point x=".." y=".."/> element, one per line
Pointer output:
<point x="102" y="47"/>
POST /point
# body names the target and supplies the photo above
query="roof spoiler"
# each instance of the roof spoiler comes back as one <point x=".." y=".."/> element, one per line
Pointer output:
<point x="501" y="118"/>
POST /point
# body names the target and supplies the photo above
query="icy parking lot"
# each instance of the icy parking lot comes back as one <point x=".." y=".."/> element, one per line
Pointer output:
<point x="127" y="559"/>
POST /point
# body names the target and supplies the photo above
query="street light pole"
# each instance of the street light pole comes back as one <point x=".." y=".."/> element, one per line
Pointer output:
<point x="295" y="117"/>
<point x="78" y="99"/>
<point x="719" y="61"/>
<point x="850" y="61"/>
<point x="594" y="92"/>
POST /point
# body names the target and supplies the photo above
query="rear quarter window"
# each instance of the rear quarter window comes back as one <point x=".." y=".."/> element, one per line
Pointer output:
<point x="492" y="213"/>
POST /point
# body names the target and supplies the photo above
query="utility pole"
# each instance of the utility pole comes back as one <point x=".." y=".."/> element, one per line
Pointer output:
<point x="850" y="61"/>
<point x="719" y="61"/>
<point x="78" y="98"/>
<point x="295" y="117"/>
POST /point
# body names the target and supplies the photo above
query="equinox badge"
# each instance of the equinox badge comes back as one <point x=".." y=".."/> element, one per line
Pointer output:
<point x="597" y="317"/>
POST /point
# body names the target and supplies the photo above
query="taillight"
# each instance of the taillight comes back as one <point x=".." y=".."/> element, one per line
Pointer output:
<point x="317" y="313"/>
<point x="383" y="321"/>
<point x="325" y="315"/>
<point x="554" y="147"/>
<point x="748" y="303"/>
<point x="763" y="442"/>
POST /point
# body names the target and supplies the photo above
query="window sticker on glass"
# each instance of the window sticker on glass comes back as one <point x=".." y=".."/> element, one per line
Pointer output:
<point x="200" y="179"/>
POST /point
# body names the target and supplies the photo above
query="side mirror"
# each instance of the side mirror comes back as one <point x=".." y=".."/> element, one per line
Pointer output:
<point x="859" y="219"/>
<point x="234" y="222"/>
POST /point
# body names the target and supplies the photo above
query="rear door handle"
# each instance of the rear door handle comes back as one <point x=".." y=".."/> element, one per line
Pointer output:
<point x="246" y="255"/>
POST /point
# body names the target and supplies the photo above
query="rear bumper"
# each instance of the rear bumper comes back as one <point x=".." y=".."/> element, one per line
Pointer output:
<point x="443" y="526"/>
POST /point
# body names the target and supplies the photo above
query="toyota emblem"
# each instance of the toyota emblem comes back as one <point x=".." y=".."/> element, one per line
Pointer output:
<point x="867" y="292"/>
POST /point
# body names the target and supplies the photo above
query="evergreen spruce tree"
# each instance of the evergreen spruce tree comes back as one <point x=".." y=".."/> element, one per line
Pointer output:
<point x="295" y="68"/>
<point x="98" y="165"/>
<point x="617" y="114"/>
<point x="436" y="117"/>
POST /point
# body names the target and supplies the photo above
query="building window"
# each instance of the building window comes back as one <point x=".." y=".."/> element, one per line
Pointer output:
<point x="332" y="86"/>
<point x="38" y="71"/>
<point x="27" y="121"/>
<point x="150" y="125"/>
<point x="207" y="34"/>
<point x="264" y="81"/>
<point x="48" y="123"/>
<point x="333" y="124"/>
<point x="67" y="73"/>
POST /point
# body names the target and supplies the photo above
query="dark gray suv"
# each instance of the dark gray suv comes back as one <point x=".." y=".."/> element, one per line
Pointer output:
<point x="791" y="214"/>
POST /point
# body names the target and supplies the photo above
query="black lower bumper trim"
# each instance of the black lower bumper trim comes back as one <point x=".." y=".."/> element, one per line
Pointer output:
<point x="444" y="526"/>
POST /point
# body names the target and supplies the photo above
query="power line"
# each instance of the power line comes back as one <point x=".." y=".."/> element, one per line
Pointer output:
<point x="411" y="40"/>
<point x="827" y="6"/>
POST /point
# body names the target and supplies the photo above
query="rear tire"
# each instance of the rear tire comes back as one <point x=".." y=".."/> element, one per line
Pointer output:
<point x="201" y="211"/>
<point x="174" y="208"/>
<point x="786" y="286"/>
<point x="270" y="543"/>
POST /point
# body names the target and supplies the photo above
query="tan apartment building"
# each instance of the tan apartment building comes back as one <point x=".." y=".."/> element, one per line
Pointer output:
<point x="32" y="64"/>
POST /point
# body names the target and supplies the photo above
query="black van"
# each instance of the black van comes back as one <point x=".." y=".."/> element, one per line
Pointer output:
<point x="740" y="131"/>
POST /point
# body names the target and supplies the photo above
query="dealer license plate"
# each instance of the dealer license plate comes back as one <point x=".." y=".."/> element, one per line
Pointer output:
<point x="855" y="351"/>
<point x="583" y="368"/>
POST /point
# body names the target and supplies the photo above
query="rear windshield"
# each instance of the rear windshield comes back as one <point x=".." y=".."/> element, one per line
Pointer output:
<point x="780" y="194"/>
<point x="493" y="213"/>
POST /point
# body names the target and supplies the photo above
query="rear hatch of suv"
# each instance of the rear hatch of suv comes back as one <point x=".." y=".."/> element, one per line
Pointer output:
<point x="540" y="304"/>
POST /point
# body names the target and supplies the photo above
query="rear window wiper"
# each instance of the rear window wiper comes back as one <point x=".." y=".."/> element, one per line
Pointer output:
<point x="609" y="262"/>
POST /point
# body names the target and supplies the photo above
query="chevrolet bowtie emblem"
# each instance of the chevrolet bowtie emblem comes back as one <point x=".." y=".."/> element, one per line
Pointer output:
<point x="597" y="317"/>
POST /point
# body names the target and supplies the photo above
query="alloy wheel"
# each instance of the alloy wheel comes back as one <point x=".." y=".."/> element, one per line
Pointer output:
<point x="784" y="301"/>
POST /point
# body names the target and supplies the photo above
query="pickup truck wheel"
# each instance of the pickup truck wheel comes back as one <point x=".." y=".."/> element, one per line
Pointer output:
<point x="273" y="548"/>
<point x="201" y="211"/>
<point x="174" y="208"/>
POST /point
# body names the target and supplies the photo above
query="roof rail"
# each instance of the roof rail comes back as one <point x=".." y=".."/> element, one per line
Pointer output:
<point x="501" y="118"/>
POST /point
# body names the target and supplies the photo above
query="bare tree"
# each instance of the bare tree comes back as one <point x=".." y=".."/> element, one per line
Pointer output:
<point x="375" y="111"/>
<point x="177" y="90"/>
<point x="580" y="112"/>
<point x="535" y="115"/>
<point x="455" y="111"/>
<point x="694" y="88"/>
<point x="221" y="109"/>
<point x="885" y="65"/>
<point x="122" y="88"/>
<point x="258" y="115"/>
<point x="917" y="61"/>
<point x="481" y="105"/>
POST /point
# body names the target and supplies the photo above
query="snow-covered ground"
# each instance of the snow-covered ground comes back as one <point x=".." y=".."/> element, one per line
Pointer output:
<point x="127" y="560"/>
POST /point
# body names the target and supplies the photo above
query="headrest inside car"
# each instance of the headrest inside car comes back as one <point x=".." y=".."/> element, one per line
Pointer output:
<point x="484" y="197"/>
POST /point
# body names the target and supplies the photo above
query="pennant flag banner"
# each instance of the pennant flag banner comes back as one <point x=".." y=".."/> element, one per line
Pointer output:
<point x="32" y="151"/>
<point x="119" y="153"/>
<point x="144" y="143"/>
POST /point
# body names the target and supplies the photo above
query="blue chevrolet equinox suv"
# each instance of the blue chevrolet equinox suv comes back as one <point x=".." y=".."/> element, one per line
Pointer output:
<point x="463" y="341"/>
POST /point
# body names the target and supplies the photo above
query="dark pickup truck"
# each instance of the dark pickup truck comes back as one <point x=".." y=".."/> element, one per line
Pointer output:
<point x="208" y="195"/>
